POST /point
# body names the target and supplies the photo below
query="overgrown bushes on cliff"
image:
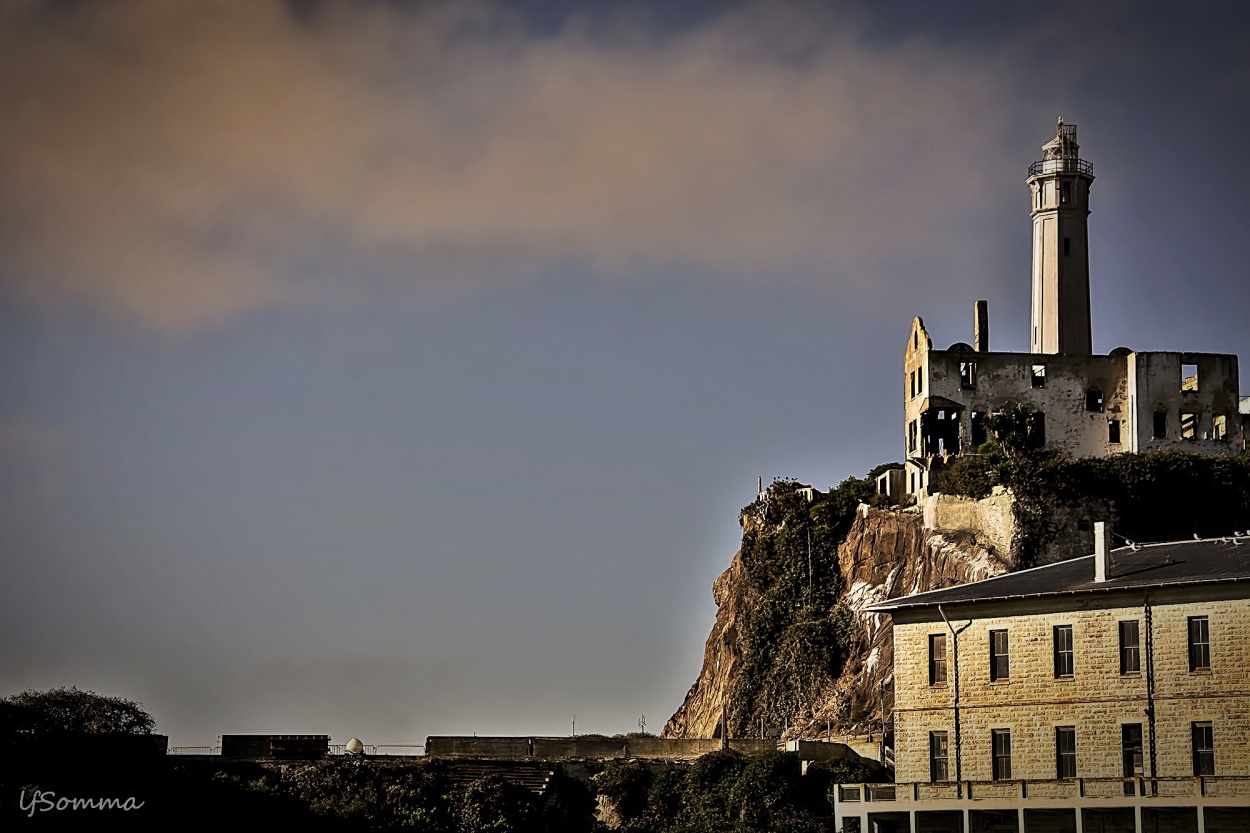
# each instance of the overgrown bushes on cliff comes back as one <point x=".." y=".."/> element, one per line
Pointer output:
<point x="726" y="791"/>
<point x="1153" y="496"/>
<point x="794" y="637"/>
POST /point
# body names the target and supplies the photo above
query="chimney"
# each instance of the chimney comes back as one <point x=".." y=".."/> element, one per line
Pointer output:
<point x="1102" y="551"/>
<point x="981" y="327"/>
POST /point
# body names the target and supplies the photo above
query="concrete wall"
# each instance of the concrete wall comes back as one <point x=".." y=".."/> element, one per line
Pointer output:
<point x="451" y="746"/>
<point x="1156" y="386"/>
<point x="585" y="746"/>
<point x="1133" y="385"/>
<point x="673" y="747"/>
<point x="1096" y="700"/>
<point x="989" y="519"/>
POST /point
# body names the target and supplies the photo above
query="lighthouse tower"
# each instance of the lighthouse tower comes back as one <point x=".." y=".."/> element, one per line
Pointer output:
<point x="1060" y="188"/>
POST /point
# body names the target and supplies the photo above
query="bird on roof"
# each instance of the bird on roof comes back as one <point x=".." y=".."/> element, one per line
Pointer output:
<point x="1196" y="538"/>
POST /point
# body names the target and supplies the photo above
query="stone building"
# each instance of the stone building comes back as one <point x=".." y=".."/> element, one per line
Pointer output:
<point x="1085" y="404"/>
<point x="1105" y="693"/>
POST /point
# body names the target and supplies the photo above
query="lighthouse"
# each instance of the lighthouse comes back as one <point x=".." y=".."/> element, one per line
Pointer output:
<point x="1059" y="185"/>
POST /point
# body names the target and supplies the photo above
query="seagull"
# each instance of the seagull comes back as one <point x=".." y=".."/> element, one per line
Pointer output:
<point x="1196" y="538"/>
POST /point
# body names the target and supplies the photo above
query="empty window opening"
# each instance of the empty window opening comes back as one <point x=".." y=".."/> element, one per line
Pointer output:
<point x="939" y="757"/>
<point x="1199" y="643"/>
<point x="979" y="436"/>
<point x="1189" y="426"/>
<point x="1204" y="748"/>
<point x="1065" y="192"/>
<point x="1113" y="430"/>
<point x="1219" y="427"/>
<point x="937" y="659"/>
<point x="1189" y="376"/>
<point x="968" y="375"/>
<point x="1067" y="245"/>
<point x="1039" y="376"/>
<point x="1000" y="662"/>
<point x="1063" y="651"/>
<point x="1065" y="751"/>
<point x="915" y="341"/>
<point x="939" y="432"/>
<point x="1093" y="400"/>
<point x="1035" y="436"/>
<point x="1161" y="424"/>
<point x="1001" y="739"/>
<point x="1130" y="647"/>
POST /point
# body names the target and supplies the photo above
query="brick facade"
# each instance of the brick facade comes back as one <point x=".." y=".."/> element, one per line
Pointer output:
<point x="1096" y="700"/>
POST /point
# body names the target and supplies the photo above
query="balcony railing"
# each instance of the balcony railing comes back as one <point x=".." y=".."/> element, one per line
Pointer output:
<point x="1210" y="786"/>
<point x="1062" y="166"/>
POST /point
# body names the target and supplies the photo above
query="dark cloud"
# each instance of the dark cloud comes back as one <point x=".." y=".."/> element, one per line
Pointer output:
<point x="180" y="164"/>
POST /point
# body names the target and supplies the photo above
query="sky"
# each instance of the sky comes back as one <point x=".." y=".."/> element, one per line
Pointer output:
<point x="389" y="369"/>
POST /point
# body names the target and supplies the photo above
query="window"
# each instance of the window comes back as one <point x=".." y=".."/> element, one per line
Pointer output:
<point x="1130" y="647"/>
<point x="1001" y="740"/>
<point x="912" y="382"/>
<point x="937" y="659"/>
<point x="1189" y="426"/>
<point x="1000" y="666"/>
<point x="1204" y="748"/>
<point x="1063" y="651"/>
<point x="1065" y="751"/>
<point x="1219" y="427"/>
<point x="1093" y="400"/>
<point x="1065" y="193"/>
<point x="968" y="375"/>
<point x="1035" y="431"/>
<point x="979" y="435"/>
<point x="939" y="757"/>
<point x="1161" y="424"/>
<point x="1199" y="644"/>
<point x="1067" y="245"/>
<point x="1113" y="430"/>
<point x="1189" y="377"/>
<point x="1131" y="747"/>
<point x="1038" y="377"/>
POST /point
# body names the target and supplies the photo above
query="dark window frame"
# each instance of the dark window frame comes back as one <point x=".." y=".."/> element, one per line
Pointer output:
<point x="1130" y="646"/>
<point x="1065" y="658"/>
<point x="1202" y="739"/>
<point x="1065" y="752"/>
<point x="1000" y="752"/>
<point x="1000" y="655"/>
<point x="938" y="656"/>
<point x="939" y="757"/>
<point x="1131" y="752"/>
<point x="1199" y="632"/>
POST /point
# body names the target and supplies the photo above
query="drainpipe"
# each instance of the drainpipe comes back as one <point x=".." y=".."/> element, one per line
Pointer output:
<point x="959" y="771"/>
<point x="1150" y="688"/>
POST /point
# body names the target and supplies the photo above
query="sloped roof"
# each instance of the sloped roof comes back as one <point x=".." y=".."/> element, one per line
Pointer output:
<point x="1143" y="566"/>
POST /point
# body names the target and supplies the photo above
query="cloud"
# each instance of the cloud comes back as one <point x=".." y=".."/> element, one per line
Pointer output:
<point x="181" y="164"/>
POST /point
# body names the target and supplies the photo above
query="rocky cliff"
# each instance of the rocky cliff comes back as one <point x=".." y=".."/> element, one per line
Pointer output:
<point x="886" y="553"/>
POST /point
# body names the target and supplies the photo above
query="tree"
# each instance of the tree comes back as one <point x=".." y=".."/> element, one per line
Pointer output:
<point x="69" y="710"/>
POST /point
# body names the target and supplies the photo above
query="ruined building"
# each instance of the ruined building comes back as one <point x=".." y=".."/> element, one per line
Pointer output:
<point x="1085" y="404"/>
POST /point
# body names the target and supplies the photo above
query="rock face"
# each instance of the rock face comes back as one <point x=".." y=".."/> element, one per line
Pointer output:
<point x="699" y="715"/>
<point x="886" y="554"/>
